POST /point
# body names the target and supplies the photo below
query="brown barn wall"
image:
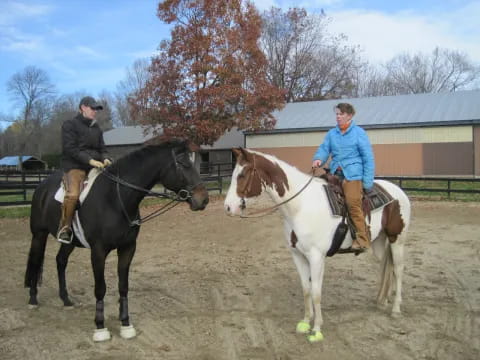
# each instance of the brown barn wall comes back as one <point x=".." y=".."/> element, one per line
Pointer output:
<point x="396" y="159"/>
<point x="448" y="159"/>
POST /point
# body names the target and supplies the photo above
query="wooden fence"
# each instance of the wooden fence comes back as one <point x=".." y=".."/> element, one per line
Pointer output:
<point x="16" y="184"/>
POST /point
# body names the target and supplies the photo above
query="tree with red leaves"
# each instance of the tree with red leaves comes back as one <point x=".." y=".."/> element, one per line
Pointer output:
<point x="211" y="75"/>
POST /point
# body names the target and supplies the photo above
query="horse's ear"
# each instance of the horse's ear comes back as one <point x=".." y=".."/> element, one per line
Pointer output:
<point x="237" y="152"/>
<point x="241" y="155"/>
<point x="191" y="146"/>
<point x="158" y="140"/>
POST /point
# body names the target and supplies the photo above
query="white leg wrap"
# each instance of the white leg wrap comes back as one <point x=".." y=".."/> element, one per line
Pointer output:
<point x="128" y="332"/>
<point x="101" y="335"/>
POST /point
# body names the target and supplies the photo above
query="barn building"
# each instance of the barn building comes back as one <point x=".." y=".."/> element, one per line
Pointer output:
<point x="411" y="135"/>
<point x="27" y="163"/>
<point x="120" y="141"/>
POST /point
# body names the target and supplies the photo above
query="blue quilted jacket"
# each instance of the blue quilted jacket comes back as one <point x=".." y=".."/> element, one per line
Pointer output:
<point x="351" y="151"/>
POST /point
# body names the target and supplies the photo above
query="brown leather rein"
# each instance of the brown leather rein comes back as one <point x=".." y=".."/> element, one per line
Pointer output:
<point x="264" y="212"/>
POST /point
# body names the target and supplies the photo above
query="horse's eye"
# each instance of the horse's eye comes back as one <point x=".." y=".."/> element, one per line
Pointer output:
<point x="183" y="161"/>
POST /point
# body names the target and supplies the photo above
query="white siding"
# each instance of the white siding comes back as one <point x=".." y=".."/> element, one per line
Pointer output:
<point x="424" y="135"/>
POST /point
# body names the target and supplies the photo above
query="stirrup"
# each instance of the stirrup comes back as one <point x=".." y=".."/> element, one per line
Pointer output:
<point x="65" y="230"/>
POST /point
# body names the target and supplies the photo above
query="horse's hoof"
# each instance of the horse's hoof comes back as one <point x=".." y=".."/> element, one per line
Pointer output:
<point x="101" y="335"/>
<point x="128" y="332"/>
<point x="396" y="314"/>
<point x="33" y="306"/>
<point x="303" y="327"/>
<point x="68" y="307"/>
<point x="315" y="337"/>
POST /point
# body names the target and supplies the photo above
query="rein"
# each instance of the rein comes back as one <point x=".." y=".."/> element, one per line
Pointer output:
<point x="183" y="195"/>
<point x="263" y="212"/>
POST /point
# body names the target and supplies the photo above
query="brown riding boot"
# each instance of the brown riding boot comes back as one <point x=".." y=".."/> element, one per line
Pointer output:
<point x="72" y="182"/>
<point x="353" y="196"/>
<point x="65" y="232"/>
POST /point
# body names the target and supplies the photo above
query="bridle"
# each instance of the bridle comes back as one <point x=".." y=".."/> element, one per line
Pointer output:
<point x="263" y="212"/>
<point x="175" y="198"/>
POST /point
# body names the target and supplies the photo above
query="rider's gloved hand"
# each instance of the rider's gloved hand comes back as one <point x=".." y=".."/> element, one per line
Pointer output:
<point x="107" y="162"/>
<point x="96" y="164"/>
<point x="368" y="191"/>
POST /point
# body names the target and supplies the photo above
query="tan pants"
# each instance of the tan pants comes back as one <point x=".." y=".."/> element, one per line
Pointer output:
<point x="72" y="180"/>
<point x="353" y="191"/>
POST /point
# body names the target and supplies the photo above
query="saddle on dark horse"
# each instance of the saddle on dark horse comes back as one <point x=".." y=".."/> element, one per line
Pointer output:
<point x="377" y="197"/>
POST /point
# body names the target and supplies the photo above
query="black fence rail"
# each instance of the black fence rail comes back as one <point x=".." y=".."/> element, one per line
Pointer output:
<point x="442" y="184"/>
<point x="213" y="174"/>
<point x="16" y="187"/>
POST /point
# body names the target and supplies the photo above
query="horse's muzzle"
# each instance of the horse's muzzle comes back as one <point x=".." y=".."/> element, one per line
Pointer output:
<point x="199" y="198"/>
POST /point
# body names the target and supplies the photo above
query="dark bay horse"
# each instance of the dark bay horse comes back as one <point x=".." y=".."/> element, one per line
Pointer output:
<point x="110" y="218"/>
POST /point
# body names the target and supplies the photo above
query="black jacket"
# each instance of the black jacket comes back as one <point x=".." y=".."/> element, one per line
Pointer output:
<point x="81" y="142"/>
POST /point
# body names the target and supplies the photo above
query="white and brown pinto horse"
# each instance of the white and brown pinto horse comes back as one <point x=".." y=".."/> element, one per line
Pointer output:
<point x="310" y="226"/>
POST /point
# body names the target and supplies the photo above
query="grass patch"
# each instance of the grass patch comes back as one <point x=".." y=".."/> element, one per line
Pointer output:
<point x="442" y="187"/>
<point x="14" y="212"/>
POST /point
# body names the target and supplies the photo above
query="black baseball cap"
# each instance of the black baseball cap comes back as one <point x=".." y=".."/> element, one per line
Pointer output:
<point x="90" y="102"/>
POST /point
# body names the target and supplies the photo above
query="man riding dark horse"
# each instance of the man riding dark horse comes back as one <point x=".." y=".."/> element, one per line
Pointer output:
<point x="83" y="148"/>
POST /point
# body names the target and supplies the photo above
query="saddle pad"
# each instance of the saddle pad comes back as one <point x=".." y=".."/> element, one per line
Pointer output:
<point x="378" y="197"/>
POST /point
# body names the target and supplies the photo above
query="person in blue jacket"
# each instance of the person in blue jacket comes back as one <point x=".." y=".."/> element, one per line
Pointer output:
<point x="353" y="162"/>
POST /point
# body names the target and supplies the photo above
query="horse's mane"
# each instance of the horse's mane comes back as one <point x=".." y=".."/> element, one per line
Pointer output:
<point x="148" y="147"/>
<point x="283" y="164"/>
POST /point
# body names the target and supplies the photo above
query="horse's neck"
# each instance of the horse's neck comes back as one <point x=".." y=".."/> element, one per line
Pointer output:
<point x="296" y="181"/>
<point x="139" y="173"/>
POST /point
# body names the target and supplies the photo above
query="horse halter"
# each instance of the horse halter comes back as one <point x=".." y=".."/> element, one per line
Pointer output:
<point x="263" y="212"/>
<point x="248" y="185"/>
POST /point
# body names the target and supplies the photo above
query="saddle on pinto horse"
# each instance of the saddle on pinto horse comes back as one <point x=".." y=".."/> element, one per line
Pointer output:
<point x="372" y="200"/>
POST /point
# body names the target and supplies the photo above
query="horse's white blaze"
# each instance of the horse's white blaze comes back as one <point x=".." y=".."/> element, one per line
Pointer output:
<point x="309" y="217"/>
<point x="233" y="202"/>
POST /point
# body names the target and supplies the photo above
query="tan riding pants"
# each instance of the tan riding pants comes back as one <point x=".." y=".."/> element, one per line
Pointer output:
<point x="353" y="191"/>
<point x="72" y="180"/>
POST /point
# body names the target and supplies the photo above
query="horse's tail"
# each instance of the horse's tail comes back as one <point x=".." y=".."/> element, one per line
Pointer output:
<point x="33" y="274"/>
<point x="387" y="276"/>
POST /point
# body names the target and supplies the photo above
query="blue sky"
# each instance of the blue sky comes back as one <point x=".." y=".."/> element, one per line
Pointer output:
<point x="86" y="46"/>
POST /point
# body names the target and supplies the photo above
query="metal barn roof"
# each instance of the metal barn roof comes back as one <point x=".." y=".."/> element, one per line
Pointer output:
<point x="461" y="107"/>
<point x="128" y="135"/>
<point x="135" y="135"/>
<point x="13" y="160"/>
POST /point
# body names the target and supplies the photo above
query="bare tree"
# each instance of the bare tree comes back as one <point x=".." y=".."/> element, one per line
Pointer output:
<point x="304" y="58"/>
<point x="135" y="79"/>
<point x="33" y="92"/>
<point x="28" y="87"/>
<point x="104" y="117"/>
<point x="442" y="70"/>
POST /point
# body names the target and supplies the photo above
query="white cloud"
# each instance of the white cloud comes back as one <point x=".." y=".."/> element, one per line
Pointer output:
<point x="11" y="11"/>
<point x="286" y="4"/>
<point x="85" y="50"/>
<point x="11" y="39"/>
<point x="383" y="36"/>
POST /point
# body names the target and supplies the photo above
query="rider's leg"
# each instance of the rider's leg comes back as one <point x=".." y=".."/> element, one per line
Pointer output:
<point x="353" y="196"/>
<point x="73" y="180"/>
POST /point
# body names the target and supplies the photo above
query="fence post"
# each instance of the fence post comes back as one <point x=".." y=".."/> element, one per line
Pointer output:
<point x="448" y="188"/>
<point x="24" y="186"/>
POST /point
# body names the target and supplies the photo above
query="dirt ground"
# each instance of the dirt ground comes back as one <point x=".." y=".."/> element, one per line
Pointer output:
<point x="207" y="286"/>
